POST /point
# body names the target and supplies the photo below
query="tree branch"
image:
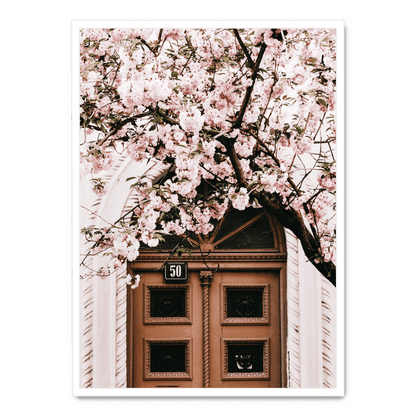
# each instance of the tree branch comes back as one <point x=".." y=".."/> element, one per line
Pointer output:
<point x="249" y="90"/>
<point x="122" y="123"/>
<point x="293" y="220"/>
<point x="288" y="217"/>
<point x="244" y="48"/>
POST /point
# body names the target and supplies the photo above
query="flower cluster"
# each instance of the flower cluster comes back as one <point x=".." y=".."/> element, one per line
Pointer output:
<point x="125" y="245"/>
<point x="97" y="159"/>
<point x="328" y="180"/>
<point x="189" y="99"/>
<point x="133" y="281"/>
<point x="99" y="186"/>
<point x="240" y="199"/>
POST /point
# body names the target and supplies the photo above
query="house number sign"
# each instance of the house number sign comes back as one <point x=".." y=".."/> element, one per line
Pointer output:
<point x="176" y="271"/>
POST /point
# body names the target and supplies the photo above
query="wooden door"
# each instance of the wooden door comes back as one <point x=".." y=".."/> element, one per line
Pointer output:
<point x="245" y="329"/>
<point x="230" y="337"/>
<point x="165" y="332"/>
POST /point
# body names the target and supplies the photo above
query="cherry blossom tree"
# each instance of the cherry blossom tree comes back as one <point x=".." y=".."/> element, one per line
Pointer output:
<point x="249" y="113"/>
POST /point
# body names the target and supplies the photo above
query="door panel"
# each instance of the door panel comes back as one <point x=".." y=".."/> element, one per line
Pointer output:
<point x="166" y="331"/>
<point x="245" y="329"/>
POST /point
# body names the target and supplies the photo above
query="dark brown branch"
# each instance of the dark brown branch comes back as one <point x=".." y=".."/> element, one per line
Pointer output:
<point x="160" y="36"/>
<point x="150" y="111"/>
<point x="249" y="90"/>
<point x="235" y="161"/>
<point x="293" y="220"/>
<point x="147" y="45"/>
<point x="122" y="123"/>
<point x="244" y="48"/>
<point x="159" y="45"/>
<point x="289" y="218"/>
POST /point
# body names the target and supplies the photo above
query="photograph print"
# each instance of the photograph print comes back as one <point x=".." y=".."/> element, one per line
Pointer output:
<point x="209" y="228"/>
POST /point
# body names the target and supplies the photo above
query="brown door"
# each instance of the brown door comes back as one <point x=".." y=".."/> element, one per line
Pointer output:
<point x="228" y="338"/>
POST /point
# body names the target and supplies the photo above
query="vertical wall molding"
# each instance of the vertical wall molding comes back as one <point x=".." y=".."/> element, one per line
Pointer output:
<point x="328" y="293"/>
<point x="86" y="338"/>
<point x="121" y="329"/>
<point x="293" y="316"/>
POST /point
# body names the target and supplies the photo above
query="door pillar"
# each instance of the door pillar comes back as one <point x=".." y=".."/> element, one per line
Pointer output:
<point x="205" y="277"/>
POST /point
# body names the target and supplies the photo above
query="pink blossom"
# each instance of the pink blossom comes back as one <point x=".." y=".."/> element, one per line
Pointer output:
<point x="240" y="199"/>
<point x="191" y="120"/>
<point x="126" y="245"/>
<point x="191" y="89"/>
<point x="100" y="187"/>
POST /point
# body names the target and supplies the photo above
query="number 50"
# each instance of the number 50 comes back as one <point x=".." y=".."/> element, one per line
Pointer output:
<point x="175" y="270"/>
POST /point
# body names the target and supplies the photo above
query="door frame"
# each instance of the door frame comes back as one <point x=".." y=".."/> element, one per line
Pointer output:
<point x="256" y="260"/>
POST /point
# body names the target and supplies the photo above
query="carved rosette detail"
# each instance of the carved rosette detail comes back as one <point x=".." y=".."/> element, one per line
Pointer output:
<point x="205" y="277"/>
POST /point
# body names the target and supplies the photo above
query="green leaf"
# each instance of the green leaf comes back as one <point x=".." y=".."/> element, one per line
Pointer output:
<point x="159" y="237"/>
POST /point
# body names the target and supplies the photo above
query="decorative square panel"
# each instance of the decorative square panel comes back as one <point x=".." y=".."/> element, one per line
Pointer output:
<point x="245" y="304"/>
<point x="167" y="304"/>
<point x="245" y="359"/>
<point x="167" y="359"/>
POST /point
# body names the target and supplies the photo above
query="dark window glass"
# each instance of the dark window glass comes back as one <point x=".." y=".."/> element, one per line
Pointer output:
<point x="167" y="358"/>
<point x="247" y="303"/>
<point x="258" y="235"/>
<point x="167" y="303"/>
<point x="236" y="219"/>
<point x="245" y="358"/>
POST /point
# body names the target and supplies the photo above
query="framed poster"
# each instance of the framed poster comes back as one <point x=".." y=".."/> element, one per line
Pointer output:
<point x="208" y="177"/>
